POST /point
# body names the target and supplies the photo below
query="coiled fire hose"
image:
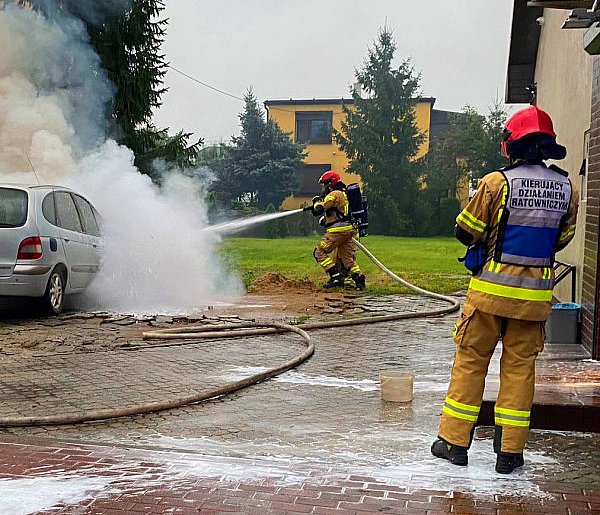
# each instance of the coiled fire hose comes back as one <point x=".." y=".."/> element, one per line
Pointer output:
<point x="237" y="330"/>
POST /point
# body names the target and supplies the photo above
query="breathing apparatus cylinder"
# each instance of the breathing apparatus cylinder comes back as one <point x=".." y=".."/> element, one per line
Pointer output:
<point x="359" y="208"/>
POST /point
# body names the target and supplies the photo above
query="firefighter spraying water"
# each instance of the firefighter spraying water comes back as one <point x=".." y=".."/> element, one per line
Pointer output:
<point x="343" y="213"/>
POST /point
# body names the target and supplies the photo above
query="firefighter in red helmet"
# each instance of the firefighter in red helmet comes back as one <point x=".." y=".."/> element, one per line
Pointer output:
<point x="333" y="208"/>
<point x="519" y="218"/>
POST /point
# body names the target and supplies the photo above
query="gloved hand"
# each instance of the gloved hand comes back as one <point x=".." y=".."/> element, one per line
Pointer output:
<point x="317" y="207"/>
<point x="322" y="221"/>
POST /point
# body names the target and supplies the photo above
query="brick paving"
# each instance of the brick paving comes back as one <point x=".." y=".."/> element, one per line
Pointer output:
<point x="320" y="429"/>
<point x="70" y="478"/>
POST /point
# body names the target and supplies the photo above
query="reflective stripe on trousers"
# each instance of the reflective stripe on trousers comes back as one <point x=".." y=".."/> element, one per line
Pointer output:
<point x="462" y="411"/>
<point x="511" y="417"/>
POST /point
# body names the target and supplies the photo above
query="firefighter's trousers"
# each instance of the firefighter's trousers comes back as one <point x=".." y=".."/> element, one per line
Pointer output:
<point x="343" y="244"/>
<point x="476" y="335"/>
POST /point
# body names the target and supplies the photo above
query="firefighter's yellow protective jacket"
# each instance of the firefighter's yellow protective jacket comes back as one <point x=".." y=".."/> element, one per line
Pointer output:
<point x="337" y="211"/>
<point x="509" y="290"/>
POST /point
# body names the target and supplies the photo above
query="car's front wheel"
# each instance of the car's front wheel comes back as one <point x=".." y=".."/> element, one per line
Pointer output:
<point x="54" y="297"/>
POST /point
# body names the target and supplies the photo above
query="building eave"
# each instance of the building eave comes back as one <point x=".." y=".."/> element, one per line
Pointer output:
<point x="522" y="57"/>
<point x="327" y="101"/>
<point x="561" y="4"/>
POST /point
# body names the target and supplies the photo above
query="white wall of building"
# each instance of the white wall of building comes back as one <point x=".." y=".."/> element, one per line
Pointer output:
<point x="564" y="88"/>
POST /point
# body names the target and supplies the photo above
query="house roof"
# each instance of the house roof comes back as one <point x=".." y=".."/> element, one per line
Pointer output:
<point x="439" y="124"/>
<point x="522" y="57"/>
<point x="328" y="101"/>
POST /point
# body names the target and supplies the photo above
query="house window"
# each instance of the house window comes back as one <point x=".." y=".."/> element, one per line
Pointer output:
<point x="313" y="127"/>
<point x="308" y="179"/>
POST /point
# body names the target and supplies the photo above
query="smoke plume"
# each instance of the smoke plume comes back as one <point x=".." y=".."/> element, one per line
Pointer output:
<point x="53" y="98"/>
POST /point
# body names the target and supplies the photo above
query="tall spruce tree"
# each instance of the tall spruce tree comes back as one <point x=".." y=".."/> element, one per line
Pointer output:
<point x="260" y="166"/>
<point x="127" y="35"/>
<point x="382" y="140"/>
<point x="129" y="47"/>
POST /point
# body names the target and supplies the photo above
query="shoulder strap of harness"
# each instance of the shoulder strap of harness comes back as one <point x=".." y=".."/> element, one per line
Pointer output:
<point x="500" y="226"/>
<point x="556" y="169"/>
<point x="341" y="217"/>
<point x="510" y="166"/>
<point x="564" y="173"/>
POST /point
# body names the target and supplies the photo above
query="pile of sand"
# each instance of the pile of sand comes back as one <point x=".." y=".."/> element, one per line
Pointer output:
<point x="274" y="282"/>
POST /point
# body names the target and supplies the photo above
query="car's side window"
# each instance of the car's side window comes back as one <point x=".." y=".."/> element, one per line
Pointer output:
<point x="13" y="207"/>
<point x="98" y="219"/>
<point x="66" y="212"/>
<point x="87" y="216"/>
<point x="48" y="208"/>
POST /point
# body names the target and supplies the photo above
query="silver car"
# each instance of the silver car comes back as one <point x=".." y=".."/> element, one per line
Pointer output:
<point x="50" y="243"/>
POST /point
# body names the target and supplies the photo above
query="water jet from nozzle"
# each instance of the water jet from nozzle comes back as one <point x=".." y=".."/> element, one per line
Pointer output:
<point x="240" y="224"/>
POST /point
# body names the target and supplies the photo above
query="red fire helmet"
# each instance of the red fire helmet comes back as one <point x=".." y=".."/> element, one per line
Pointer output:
<point x="330" y="177"/>
<point x="527" y="121"/>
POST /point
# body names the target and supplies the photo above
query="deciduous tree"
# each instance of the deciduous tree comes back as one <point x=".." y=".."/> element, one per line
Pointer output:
<point x="469" y="150"/>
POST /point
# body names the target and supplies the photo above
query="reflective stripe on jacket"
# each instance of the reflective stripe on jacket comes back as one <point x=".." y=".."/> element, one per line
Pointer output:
<point x="337" y="212"/>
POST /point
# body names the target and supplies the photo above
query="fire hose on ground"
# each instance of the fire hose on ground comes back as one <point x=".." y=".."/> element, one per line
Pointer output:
<point x="230" y="330"/>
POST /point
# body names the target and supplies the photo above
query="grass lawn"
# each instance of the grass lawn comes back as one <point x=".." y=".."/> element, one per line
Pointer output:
<point x="426" y="262"/>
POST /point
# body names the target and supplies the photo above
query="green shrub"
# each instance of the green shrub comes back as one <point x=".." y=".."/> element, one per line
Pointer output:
<point x="449" y="209"/>
<point x="277" y="228"/>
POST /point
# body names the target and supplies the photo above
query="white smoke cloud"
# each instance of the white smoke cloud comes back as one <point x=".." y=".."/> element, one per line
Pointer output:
<point x="52" y="101"/>
<point x="156" y="257"/>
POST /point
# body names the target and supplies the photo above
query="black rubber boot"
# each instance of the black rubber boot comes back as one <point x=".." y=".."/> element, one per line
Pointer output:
<point x="335" y="278"/>
<point x="507" y="462"/>
<point x="359" y="280"/>
<point x="348" y="282"/>
<point x="455" y="454"/>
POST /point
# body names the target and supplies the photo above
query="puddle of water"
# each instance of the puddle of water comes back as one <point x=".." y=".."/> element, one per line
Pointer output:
<point x="299" y="378"/>
<point x="435" y="384"/>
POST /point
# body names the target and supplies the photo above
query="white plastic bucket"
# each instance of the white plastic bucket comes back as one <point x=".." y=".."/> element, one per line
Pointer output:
<point x="396" y="386"/>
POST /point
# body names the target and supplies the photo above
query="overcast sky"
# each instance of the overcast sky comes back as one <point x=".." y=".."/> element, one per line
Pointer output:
<point x="310" y="48"/>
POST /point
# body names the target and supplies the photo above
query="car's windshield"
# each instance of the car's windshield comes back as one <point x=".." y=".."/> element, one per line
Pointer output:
<point x="13" y="207"/>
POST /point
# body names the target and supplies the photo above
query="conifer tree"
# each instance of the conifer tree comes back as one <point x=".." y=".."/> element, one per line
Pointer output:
<point x="129" y="47"/>
<point x="259" y="167"/>
<point x="127" y="35"/>
<point x="381" y="138"/>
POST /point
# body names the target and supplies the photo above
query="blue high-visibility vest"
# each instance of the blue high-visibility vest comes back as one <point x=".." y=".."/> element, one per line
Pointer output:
<point x="536" y="199"/>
